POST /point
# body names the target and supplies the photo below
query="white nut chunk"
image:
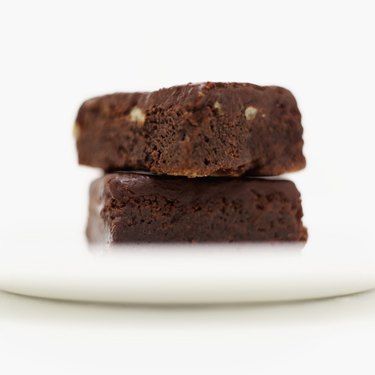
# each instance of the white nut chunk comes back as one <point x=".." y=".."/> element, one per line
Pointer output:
<point x="76" y="131"/>
<point x="137" y="115"/>
<point x="218" y="108"/>
<point x="250" y="113"/>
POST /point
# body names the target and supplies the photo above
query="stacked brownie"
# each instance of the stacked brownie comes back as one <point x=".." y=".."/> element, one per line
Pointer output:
<point x="184" y="164"/>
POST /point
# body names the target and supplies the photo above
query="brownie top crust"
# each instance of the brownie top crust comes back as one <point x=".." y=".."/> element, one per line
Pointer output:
<point x="122" y="185"/>
<point x="229" y="97"/>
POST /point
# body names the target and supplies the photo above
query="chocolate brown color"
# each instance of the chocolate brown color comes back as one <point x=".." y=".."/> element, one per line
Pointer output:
<point x="211" y="129"/>
<point x="130" y="207"/>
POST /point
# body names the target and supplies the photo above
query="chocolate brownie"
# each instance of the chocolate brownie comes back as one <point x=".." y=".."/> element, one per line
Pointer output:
<point x="131" y="207"/>
<point x="210" y="129"/>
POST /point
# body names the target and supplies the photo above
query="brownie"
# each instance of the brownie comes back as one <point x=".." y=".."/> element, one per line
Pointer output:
<point x="133" y="207"/>
<point x="210" y="129"/>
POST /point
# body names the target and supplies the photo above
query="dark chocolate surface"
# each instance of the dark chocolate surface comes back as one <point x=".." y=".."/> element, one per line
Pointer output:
<point x="130" y="207"/>
<point x="222" y="129"/>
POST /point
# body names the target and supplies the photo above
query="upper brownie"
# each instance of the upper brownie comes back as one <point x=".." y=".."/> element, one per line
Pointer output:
<point x="210" y="129"/>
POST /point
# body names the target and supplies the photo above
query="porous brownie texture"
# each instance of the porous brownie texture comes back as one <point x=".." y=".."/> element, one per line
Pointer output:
<point x="194" y="130"/>
<point x="134" y="207"/>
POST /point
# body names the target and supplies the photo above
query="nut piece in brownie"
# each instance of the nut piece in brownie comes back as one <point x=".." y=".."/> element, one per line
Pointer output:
<point x="210" y="129"/>
<point x="131" y="207"/>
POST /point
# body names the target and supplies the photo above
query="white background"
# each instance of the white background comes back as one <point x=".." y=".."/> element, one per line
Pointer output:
<point x="53" y="55"/>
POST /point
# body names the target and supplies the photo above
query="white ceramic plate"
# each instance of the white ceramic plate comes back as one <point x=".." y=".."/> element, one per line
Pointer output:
<point x="190" y="274"/>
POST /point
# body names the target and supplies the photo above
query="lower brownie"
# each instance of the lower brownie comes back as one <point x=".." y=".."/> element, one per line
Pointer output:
<point x="134" y="207"/>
